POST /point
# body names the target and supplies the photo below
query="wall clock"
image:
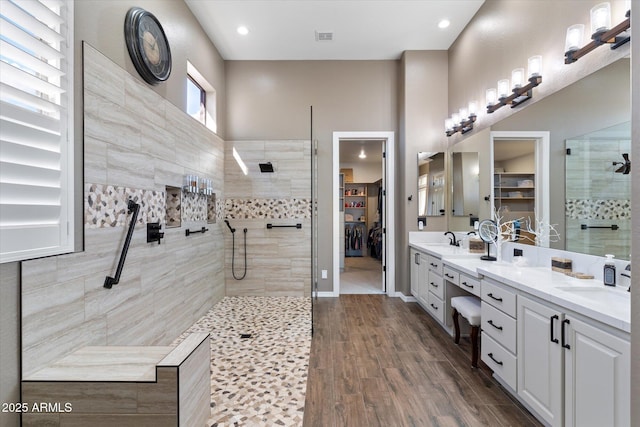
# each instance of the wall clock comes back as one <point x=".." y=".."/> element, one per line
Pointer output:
<point x="147" y="45"/>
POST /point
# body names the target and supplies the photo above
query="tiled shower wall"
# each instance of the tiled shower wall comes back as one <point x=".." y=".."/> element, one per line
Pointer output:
<point x="278" y="259"/>
<point x="135" y="145"/>
<point x="597" y="197"/>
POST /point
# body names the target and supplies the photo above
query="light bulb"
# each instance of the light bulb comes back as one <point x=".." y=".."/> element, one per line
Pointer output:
<point x="600" y="18"/>
<point x="503" y="88"/>
<point x="456" y="118"/>
<point x="517" y="78"/>
<point x="535" y="66"/>
<point x="473" y="108"/>
<point x="575" y="34"/>
<point x="362" y="154"/>
<point x="448" y="125"/>
<point x="464" y="113"/>
<point x="491" y="96"/>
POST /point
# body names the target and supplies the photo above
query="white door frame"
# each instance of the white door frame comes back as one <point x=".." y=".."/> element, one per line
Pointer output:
<point x="542" y="150"/>
<point x="389" y="215"/>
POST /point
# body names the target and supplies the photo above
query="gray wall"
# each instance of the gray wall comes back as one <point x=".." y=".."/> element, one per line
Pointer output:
<point x="269" y="100"/>
<point x="10" y="340"/>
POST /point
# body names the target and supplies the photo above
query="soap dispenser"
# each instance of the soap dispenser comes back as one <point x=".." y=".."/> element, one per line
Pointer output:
<point x="609" y="276"/>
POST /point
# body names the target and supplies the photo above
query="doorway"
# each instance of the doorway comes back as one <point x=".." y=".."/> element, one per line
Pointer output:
<point x="520" y="173"/>
<point x="362" y="208"/>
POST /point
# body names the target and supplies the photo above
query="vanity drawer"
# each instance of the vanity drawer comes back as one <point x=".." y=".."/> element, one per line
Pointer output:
<point x="499" y="326"/>
<point x="436" y="307"/>
<point x="501" y="362"/>
<point x="436" y="285"/>
<point x="451" y="275"/>
<point x="435" y="264"/>
<point x="470" y="284"/>
<point x="499" y="297"/>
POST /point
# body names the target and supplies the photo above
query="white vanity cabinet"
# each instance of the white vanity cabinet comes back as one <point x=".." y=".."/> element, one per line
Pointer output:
<point x="415" y="272"/>
<point x="435" y="290"/>
<point x="420" y="276"/>
<point x="572" y="373"/>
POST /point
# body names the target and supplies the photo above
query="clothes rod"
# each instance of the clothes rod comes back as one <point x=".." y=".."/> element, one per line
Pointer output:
<point x="270" y="226"/>
<point x="188" y="232"/>
<point x="612" y="227"/>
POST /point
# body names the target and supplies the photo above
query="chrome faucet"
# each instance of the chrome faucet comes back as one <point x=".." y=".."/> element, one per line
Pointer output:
<point x="452" y="239"/>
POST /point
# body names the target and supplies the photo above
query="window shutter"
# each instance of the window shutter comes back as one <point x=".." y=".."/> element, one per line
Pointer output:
<point x="36" y="144"/>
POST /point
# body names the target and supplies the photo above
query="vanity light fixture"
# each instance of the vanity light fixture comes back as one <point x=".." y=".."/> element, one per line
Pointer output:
<point x="462" y="121"/>
<point x="518" y="92"/>
<point x="601" y="33"/>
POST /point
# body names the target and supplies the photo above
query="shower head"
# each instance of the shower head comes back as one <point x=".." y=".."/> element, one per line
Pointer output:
<point x="233" y="230"/>
<point x="266" y="167"/>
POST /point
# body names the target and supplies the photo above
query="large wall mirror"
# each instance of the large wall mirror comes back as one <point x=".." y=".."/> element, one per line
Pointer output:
<point x="465" y="184"/>
<point x="431" y="184"/>
<point x="583" y="117"/>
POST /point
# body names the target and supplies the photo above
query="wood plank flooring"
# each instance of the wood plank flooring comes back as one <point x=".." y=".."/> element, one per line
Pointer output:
<point x="378" y="361"/>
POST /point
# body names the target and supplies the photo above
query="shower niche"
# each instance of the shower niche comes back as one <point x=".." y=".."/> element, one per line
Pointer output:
<point x="173" y="205"/>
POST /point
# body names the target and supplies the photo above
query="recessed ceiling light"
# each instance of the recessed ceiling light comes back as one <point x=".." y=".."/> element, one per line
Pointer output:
<point x="444" y="23"/>
<point x="242" y="30"/>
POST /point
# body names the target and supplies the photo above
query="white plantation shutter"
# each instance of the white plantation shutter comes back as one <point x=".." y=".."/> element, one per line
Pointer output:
<point x="36" y="144"/>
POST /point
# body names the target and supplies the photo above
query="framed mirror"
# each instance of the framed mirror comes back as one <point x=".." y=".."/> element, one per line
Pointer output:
<point x="465" y="184"/>
<point x="431" y="184"/>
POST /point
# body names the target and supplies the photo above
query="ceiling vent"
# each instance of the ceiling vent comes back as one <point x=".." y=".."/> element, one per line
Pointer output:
<point x="324" y="36"/>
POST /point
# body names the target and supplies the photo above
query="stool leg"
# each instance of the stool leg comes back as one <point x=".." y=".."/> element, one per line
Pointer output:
<point x="474" y="345"/>
<point x="456" y="338"/>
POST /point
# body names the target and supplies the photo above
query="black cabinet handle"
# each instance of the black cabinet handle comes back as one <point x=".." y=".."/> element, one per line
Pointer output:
<point x="433" y="265"/>
<point x="490" y="295"/>
<point x="467" y="285"/>
<point x="417" y="259"/>
<point x="495" y="326"/>
<point x="449" y="276"/>
<point x="563" y="337"/>
<point x="553" y="339"/>
<point x="433" y="284"/>
<point x="434" y="306"/>
<point x="494" y="359"/>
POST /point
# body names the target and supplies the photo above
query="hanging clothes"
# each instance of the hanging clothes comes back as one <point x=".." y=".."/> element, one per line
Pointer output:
<point x="347" y="238"/>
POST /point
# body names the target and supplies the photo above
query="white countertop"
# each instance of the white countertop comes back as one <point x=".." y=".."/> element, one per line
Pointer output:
<point x="590" y="298"/>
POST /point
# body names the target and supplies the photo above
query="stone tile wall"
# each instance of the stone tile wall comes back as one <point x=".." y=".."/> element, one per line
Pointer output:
<point x="278" y="259"/>
<point x="135" y="145"/>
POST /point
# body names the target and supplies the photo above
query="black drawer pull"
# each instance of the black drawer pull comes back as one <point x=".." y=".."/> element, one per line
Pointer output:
<point x="433" y="265"/>
<point x="495" y="326"/>
<point x="467" y="285"/>
<point x="553" y="339"/>
<point x="562" y="336"/>
<point x="435" y="307"/>
<point x="449" y="276"/>
<point x="490" y="295"/>
<point x="493" y="358"/>
<point x="433" y="284"/>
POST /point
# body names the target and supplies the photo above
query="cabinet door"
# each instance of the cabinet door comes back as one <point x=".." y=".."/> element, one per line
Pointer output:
<point x="415" y="272"/>
<point x="423" y="286"/>
<point x="540" y="375"/>
<point x="597" y="377"/>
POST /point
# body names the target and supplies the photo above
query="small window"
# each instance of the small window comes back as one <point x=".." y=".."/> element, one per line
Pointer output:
<point x="196" y="100"/>
<point x="201" y="98"/>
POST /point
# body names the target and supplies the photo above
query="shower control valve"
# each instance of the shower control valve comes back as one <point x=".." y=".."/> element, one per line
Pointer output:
<point x="153" y="232"/>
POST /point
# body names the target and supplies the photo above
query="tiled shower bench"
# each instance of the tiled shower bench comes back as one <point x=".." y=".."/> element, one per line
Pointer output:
<point x="124" y="386"/>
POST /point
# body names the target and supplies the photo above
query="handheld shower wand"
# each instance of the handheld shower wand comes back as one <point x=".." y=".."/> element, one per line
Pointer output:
<point x="233" y="230"/>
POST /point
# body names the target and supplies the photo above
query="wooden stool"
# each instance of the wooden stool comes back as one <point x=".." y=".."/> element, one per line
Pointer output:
<point x="469" y="308"/>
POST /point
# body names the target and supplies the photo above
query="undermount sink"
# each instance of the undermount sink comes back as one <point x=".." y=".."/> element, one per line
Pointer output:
<point x="594" y="291"/>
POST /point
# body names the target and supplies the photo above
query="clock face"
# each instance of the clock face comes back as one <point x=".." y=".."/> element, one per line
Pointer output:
<point x="147" y="45"/>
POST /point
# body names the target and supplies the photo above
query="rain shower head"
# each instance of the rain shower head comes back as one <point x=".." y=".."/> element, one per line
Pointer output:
<point x="625" y="167"/>
<point x="266" y="167"/>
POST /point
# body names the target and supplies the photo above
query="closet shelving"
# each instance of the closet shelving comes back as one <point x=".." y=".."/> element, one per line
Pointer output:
<point x="354" y="201"/>
<point x="514" y="194"/>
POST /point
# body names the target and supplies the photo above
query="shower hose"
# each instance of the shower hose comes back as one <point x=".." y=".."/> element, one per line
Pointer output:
<point x="233" y="254"/>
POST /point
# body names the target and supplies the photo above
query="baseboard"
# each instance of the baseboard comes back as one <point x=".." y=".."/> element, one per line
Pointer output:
<point x="406" y="298"/>
<point x="327" y="295"/>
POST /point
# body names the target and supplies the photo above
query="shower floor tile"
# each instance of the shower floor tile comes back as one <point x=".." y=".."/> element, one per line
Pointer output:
<point x="259" y="359"/>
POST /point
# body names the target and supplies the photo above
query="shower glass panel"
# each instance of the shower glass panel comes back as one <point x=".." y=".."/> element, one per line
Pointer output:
<point x="598" y="192"/>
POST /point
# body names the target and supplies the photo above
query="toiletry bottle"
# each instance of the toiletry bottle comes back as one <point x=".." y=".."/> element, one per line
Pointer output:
<point x="609" y="276"/>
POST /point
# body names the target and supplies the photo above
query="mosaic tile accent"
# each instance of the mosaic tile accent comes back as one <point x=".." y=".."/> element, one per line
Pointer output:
<point x="174" y="207"/>
<point x="106" y="205"/>
<point x="212" y="209"/>
<point x="598" y="209"/>
<point x="261" y="380"/>
<point x="194" y="207"/>
<point x="268" y="208"/>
